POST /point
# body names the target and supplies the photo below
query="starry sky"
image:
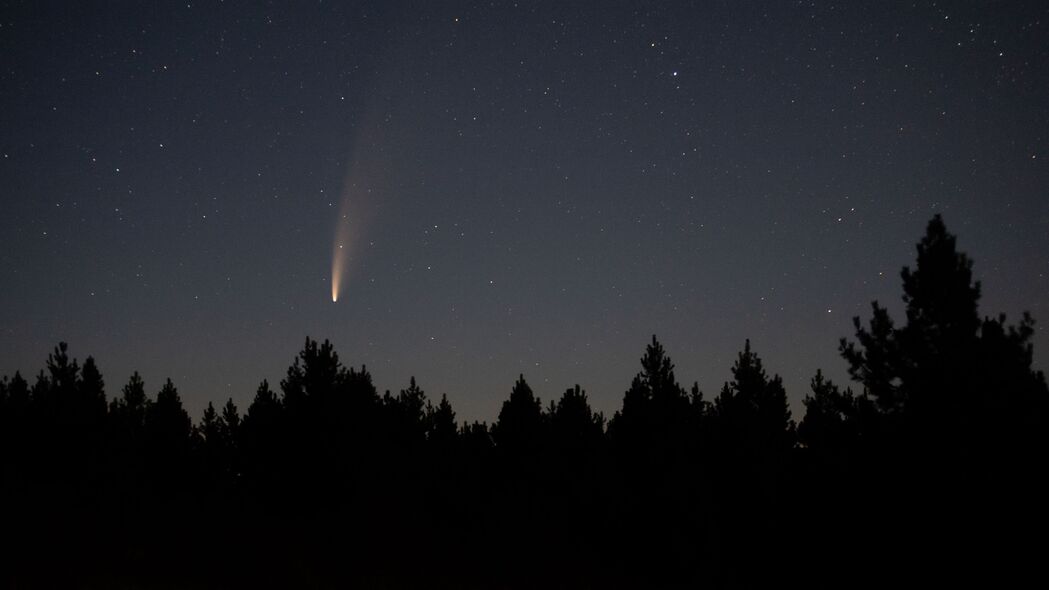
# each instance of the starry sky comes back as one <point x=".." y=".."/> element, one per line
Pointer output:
<point x="510" y="187"/>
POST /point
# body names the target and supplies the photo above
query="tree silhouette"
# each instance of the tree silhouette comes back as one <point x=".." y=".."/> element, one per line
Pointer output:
<point x="127" y="427"/>
<point x="68" y="413"/>
<point x="441" y="429"/>
<point x="406" y="414"/>
<point x="656" y="412"/>
<point x="264" y="412"/>
<point x="574" y="424"/>
<point x="229" y="431"/>
<point x="477" y="436"/>
<point x="215" y="440"/>
<point x="656" y="439"/>
<point x="314" y="375"/>
<point x="957" y="401"/>
<point x="944" y="369"/>
<point x="519" y="427"/>
<point x="208" y="429"/>
<point x="167" y="424"/>
<point x="262" y="436"/>
<point x="130" y="409"/>
<point x="92" y="398"/>
<point x="832" y="416"/>
<point x="752" y="409"/>
<point x="167" y="443"/>
<point x="918" y="367"/>
<point x="754" y="437"/>
<point x="936" y="461"/>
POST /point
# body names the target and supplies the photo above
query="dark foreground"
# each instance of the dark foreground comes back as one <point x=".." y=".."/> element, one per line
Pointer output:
<point x="933" y="473"/>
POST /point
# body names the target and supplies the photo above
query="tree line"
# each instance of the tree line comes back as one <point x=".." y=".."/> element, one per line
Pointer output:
<point x="932" y="467"/>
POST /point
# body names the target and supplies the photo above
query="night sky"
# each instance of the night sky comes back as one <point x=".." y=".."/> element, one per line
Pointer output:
<point x="529" y="187"/>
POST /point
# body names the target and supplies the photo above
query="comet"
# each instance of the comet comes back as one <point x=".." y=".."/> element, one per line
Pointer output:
<point x="339" y="260"/>
<point x="378" y="142"/>
<point x="355" y="210"/>
<point x="367" y="177"/>
<point x="348" y="230"/>
<point x="368" y="181"/>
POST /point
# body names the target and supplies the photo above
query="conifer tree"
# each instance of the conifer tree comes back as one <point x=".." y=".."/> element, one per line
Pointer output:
<point x="832" y="417"/>
<point x="752" y="409"/>
<point x="520" y="422"/>
<point x="440" y="423"/>
<point x="655" y="406"/>
<point x="946" y="378"/>
<point x="129" y="410"/>
<point x="230" y="423"/>
<point x="167" y="425"/>
<point x="208" y="428"/>
<point x="92" y="392"/>
<point x="573" y="423"/>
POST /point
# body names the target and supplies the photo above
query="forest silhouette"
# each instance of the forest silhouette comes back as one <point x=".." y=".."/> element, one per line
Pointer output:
<point x="930" y="471"/>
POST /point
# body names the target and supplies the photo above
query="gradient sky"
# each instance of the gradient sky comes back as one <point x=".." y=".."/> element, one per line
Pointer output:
<point x="531" y="187"/>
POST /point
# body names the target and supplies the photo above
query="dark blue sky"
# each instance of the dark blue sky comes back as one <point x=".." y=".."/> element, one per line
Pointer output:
<point x="529" y="187"/>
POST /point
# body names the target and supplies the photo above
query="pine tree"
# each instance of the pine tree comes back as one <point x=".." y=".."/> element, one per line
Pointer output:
<point x="573" y="423"/>
<point x="64" y="374"/>
<point x="207" y="442"/>
<point x="406" y="413"/>
<point x="92" y="392"/>
<point x="261" y="432"/>
<point x="129" y="410"/>
<point x="208" y="430"/>
<point x="315" y="373"/>
<point x="655" y="406"/>
<point x="229" y="425"/>
<point x="832" y="417"/>
<point x="440" y="423"/>
<point x="520" y="422"/>
<point x="752" y="410"/>
<point x="945" y="369"/>
<point x="167" y="426"/>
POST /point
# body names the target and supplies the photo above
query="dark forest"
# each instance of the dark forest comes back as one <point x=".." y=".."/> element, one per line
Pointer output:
<point x="928" y="468"/>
